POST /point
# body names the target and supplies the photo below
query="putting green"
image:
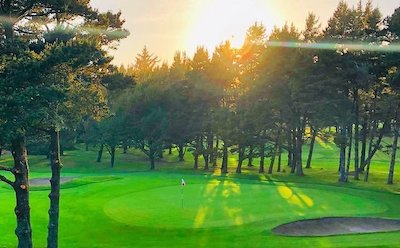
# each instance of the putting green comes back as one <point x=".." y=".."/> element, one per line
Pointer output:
<point x="223" y="203"/>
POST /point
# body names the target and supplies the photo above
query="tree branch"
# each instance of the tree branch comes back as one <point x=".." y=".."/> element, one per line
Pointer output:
<point x="4" y="179"/>
<point x="6" y="168"/>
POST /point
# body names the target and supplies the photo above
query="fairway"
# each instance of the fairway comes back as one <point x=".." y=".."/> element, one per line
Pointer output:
<point x="143" y="209"/>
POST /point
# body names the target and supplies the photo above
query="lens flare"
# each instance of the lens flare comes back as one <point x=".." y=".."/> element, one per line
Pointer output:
<point x="345" y="47"/>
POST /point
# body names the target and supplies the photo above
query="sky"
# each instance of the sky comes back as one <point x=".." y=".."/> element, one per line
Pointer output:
<point x="167" y="26"/>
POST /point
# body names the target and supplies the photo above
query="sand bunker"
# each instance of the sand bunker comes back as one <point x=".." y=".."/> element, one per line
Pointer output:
<point x="337" y="226"/>
<point x="46" y="181"/>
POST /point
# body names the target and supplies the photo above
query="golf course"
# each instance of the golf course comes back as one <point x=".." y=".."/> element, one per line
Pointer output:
<point x="214" y="123"/>
<point x="130" y="206"/>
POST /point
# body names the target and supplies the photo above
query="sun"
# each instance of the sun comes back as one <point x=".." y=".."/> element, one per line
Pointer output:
<point x="219" y="20"/>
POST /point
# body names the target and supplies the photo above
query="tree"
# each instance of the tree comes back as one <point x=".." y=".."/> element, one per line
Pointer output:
<point x="148" y="120"/>
<point x="144" y="66"/>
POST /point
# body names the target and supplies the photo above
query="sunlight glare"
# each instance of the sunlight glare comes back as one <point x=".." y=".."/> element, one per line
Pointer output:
<point x="221" y="20"/>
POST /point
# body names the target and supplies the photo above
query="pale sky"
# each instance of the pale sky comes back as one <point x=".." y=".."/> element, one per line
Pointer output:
<point x="167" y="26"/>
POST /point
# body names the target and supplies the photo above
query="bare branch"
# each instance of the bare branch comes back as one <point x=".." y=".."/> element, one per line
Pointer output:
<point x="4" y="179"/>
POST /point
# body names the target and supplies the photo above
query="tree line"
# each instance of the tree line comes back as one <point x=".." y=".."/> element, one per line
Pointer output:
<point x="270" y="96"/>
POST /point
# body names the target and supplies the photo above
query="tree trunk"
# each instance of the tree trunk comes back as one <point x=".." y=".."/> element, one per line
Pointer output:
<point x="299" y="151"/>
<point x="152" y="156"/>
<point x="262" y="158"/>
<point x="210" y="143"/>
<point x="290" y="150"/>
<point x="206" y="161"/>
<point x="160" y="153"/>
<point x="394" y="150"/>
<point x="196" y="161"/>
<point x="112" y="153"/>
<point x="125" y="149"/>
<point x="279" y="160"/>
<point x="372" y="152"/>
<point x="170" y="150"/>
<point x="342" y="161"/>
<point x="251" y="155"/>
<point x="198" y="151"/>
<point x="310" y="153"/>
<point x="152" y="163"/>
<point x="241" y="158"/>
<point x="350" y="131"/>
<point x="216" y="151"/>
<point x="356" y="135"/>
<point x="100" y="153"/>
<point x="21" y="188"/>
<point x="294" y="151"/>
<point x="367" y="165"/>
<point x="364" y="133"/>
<point x="55" y="163"/>
<point x="181" y="152"/>
<point x="86" y="146"/>
<point x="224" y="166"/>
<point x="61" y="150"/>
<point x="1" y="152"/>
<point x="271" y="164"/>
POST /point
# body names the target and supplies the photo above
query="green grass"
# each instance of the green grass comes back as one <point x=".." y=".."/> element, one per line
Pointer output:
<point x="129" y="206"/>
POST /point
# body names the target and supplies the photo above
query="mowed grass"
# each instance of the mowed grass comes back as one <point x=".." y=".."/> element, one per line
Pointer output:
<point x="130" y="206"/>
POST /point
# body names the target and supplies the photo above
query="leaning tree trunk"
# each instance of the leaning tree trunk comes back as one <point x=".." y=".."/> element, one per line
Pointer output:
<point x="21" y="188"/>
<point x="367" y="165"/>
<point x="310" y="153"/>
<point x="342" y="161"/>
<point x="224" y="166"/>
<point x="271" y="164"/>
<point x="55" y="163"/>
<point x="100" y="153"/>
<point x="372" y="152"/>
<point x="394" y="150"/>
